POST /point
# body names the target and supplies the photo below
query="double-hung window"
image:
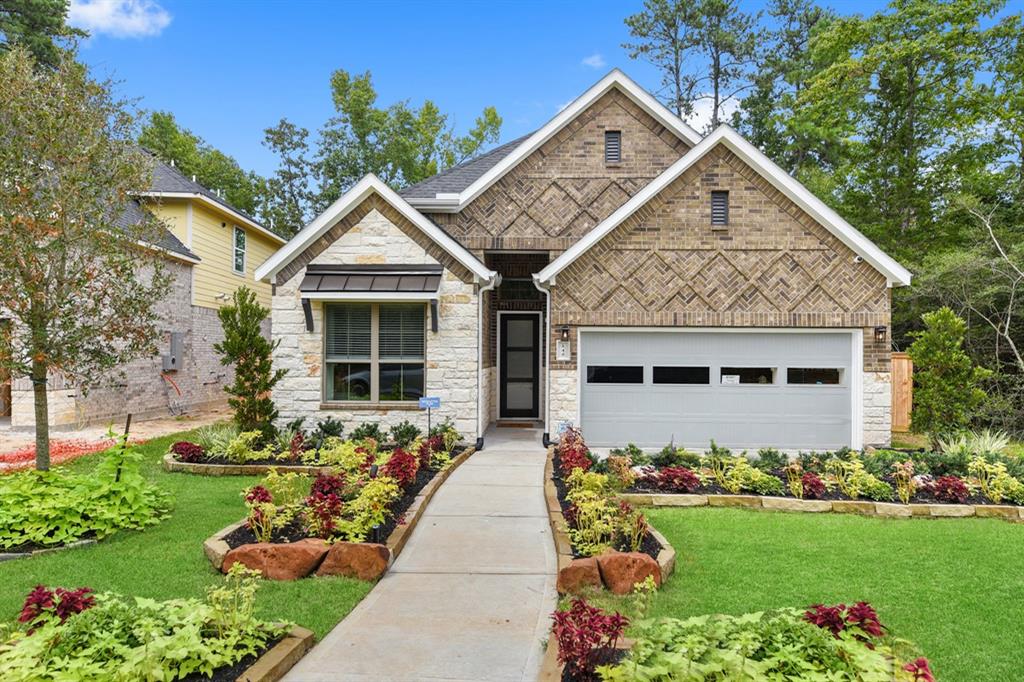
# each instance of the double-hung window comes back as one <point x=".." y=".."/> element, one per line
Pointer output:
<point x="238" y="259"/>
<point x="374" y="352"/>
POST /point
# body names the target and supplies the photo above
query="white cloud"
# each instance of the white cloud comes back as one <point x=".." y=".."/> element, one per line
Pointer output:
<point x="594" y="61"/>
<point x="119" y="18"/>
<point x="700" y="119"/>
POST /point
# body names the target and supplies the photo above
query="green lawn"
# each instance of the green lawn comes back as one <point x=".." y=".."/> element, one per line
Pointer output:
<point x="953" y="586"/>
<point x="167" y="561"/>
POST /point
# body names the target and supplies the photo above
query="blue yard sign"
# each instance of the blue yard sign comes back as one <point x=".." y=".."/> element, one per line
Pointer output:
<point x="430" y="403"/>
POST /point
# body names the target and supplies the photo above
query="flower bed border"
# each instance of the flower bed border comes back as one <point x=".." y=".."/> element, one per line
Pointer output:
<point x="560" y="529"/>
<point x="279" y="659"/>
<point x="216" y="548"/>
<point x="208" y="469"/>
<point x="1007" y="512"/>
<point x="11" y="556"/>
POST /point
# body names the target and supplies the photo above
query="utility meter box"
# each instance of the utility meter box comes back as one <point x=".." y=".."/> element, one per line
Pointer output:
<point x="173" y="360"/>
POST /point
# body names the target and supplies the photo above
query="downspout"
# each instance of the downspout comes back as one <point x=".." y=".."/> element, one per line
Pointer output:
<point x="491" y="284"/>
<point x="547" y="360"/>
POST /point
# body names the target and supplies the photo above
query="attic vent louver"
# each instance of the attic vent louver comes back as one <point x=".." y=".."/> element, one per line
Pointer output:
<point x="720" y="208"/>
<point x="613" y="146"/>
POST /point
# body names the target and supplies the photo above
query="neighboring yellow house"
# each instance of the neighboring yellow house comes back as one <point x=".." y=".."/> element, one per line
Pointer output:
<point x="230" y="245"/>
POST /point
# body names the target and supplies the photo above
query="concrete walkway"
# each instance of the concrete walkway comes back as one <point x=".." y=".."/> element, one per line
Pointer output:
<point x="471" y="594"/>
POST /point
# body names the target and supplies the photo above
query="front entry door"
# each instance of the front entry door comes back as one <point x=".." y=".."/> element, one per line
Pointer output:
<point x="519" y="377"/>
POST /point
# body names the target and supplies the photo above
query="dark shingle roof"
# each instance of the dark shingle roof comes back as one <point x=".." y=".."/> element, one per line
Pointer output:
<point x="167" y="178"/>
<point x="461" y="176"/>
<point x="136" y="212"/>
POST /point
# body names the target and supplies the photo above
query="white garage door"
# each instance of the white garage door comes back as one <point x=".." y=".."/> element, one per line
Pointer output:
<point x="782" y="389"/>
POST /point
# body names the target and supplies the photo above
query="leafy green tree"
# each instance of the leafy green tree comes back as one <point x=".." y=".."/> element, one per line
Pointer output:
<point x="76" y="284"/>
<point x="248" y="350"/>
<point x="947" y="385"/>
<point x="705" y="49"/>
<point x="40" y="26"/>
<point x="401" y="144"/>
<point x="285" y="198"/>
<point x="212" y="168"/>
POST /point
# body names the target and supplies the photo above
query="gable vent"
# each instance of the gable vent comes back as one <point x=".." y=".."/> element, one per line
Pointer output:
<point x="720" y="208"/>
<point x="613" y="146"/>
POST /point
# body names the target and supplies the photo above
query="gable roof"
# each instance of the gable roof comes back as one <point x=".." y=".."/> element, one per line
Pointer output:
<point x="135" y="213"/>
<point x="461" y="176"/>
<point x="369" y="185"/>
<point x="169" y="182"/>
<point x="458" y="196"/>
<point x="895" y="273"/>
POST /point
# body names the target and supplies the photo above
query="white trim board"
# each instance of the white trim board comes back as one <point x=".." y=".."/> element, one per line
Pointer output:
<point x="453" y="203"/>
<point x="540" y="360"/>
<point x="856" y="381"/>
<point x="895" y="274"/>
<point x="362" y="190"/>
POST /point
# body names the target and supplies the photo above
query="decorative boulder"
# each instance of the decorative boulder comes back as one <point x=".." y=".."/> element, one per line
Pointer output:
<point x="279" y="561"/>
<point x="621" y="570"/>
<point x="579" y="575"/>
<point x="362" y="560"/>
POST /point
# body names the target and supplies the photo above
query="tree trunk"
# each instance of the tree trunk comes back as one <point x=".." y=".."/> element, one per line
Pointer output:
<point x="42" y="416"/>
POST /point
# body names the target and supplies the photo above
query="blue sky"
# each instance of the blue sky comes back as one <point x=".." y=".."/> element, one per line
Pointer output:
<point x="229" y="69"/>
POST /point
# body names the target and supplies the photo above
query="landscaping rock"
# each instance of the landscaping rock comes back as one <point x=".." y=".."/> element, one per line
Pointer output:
<point x="734" y="501"/>
<point x="790" y="504"/>
<point x="621" y="570"/>
<point x="892" y="509"/>
<point x="947" y="510"/>
<point x="579" y="575"/>
<point x="679" y="500"/>
<point x="853" y="507"/>
<point x="362" y="560"/>
<point x="999" y="511"/>
<point x="279" y="561"/>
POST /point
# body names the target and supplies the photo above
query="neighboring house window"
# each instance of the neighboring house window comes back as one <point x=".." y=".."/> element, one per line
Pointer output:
<point x="720" y="207"/>
<point x="375" y="352"/>
<point x="613" y="146"/>
<point x="238" y="262"/>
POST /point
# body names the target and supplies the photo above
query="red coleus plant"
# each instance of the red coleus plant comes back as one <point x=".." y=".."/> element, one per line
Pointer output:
<point x="188" y="452"/>
<point x="586" y="635"/>
<point x="297" y="446"/>
<point x="573" y="452"/>
<point x="42" y="604"/>
<point x="428" y="448"/>
<point x="401" y="466"/>
<point x="328" y="484"/>
<point x="860" y="617"/>
<point x="677" y="479"/>
<point x="369" y="456"/>
<point x="950" y="489"/>
<point x="322" y="513"/>
<point x="921" y="670"/>
<point x="814" y="487"/>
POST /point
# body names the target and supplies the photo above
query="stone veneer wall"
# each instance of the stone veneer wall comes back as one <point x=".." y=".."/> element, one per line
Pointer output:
<point x="138" y="387"/>
<point x="772" y="266"/>
<point x="451" y="362"/>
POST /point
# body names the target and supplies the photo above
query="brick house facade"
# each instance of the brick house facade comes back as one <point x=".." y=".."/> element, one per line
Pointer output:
<point x="595" y="236"/>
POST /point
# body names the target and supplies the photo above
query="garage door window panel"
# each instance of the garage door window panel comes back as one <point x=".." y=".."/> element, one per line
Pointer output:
<point x="615" y="374"/>
<point x="747" y="376"/>
<point x="682" y="375"/>
<point x="814" y="376"/>
<point x="374" y="352"/>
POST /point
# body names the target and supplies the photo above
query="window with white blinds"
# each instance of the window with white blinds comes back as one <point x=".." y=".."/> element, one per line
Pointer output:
<point x="349" y="331"/>
<point x="613" y="146"/>
<point x="401" y="332"/>
<point x="720" y="207"/>
<point x="374" y="352"/>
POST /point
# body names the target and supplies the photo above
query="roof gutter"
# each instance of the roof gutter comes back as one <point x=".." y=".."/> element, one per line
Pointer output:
<point x="491" y="284"/>
<point x="546" y="290"/>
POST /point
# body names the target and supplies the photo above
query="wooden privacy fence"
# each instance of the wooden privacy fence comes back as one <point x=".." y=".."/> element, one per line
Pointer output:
<point x="902" y="391"/>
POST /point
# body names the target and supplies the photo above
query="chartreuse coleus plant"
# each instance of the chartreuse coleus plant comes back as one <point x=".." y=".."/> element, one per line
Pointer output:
<point x="52" y="508"/>
<point x="124" y="639"/>
<point x="833" y="644"/>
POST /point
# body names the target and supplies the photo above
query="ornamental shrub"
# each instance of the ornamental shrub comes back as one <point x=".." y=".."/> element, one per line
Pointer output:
<point x="573" y="452"/>
<point x="947" y="385"/>
<point x="371" y="508"/>
<point x="586" y="636"/>
<point x="404" y="433"/>
<point x="368" y="430"/>
<point x="950" y="489"/>
<point x="813" y="486"/>
<point x="188" y="452"/>
<point x="677" y="480"/>
<point x="401" y="466"/>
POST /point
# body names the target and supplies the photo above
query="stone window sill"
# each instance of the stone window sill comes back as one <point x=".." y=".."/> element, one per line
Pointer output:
<point x="361" y="406"/>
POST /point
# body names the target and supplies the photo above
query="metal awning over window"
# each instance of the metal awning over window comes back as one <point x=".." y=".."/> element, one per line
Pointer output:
<point x="371" y="283"/>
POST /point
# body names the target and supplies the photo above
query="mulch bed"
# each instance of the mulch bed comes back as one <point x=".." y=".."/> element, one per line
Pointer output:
<point x="34" y="547"/>
<point x="294" y="531"/>
<point x="607" y="658"/>
<point x="650" y="546"/>
<point x="232" y="672"/>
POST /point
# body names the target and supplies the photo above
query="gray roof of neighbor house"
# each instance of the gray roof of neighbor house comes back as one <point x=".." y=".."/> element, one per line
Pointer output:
<point x="167" y="178"/>
<point x="135" y="212"/>
<point x="461" y="176"/>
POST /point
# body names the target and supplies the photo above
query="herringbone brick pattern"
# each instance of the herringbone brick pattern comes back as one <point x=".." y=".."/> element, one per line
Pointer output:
<point x="561" y="191"/>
